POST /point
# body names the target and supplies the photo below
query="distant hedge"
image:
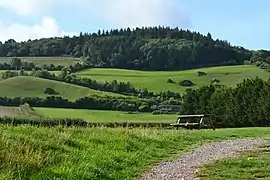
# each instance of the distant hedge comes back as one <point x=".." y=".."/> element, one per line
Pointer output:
<point x="68" y="122"/>
<point x="94" y="102"/>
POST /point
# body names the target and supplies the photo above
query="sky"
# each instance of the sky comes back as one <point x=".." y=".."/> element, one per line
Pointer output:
<point x="241" y="22"/>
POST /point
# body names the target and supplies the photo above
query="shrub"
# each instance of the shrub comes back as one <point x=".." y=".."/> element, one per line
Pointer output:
<point x="49" y="91"/>
<point x="200" y="73"/>
<point x="214" y="80"/>
<point x="186" y="83"/>
<point x="170" y="81"/>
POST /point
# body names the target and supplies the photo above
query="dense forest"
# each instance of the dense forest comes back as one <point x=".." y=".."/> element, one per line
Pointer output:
<point x="151" y="48"/>
<point x="246" y="105"/>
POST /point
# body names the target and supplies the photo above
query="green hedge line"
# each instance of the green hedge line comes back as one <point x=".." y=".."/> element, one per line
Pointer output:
<point x="69" y="122"/>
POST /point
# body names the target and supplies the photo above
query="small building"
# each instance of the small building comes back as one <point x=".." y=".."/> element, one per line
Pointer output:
<point x="169" y="108"/>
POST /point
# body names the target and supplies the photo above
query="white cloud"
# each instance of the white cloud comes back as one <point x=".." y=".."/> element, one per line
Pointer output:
<point x="20" y="32"/>
<point x="104" y="13"/>
<point x="26" y="7"/>
<point x="135" y="13"/>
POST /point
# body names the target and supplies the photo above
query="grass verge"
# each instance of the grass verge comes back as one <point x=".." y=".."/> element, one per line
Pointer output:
<point x="251" y="165"/>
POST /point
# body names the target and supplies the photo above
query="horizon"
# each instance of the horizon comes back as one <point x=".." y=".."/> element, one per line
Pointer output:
<point x="230" y="20"/>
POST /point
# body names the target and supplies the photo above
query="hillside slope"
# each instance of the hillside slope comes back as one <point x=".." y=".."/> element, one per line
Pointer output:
<point x="157" y="80"/>
<point x="26" y="86"/>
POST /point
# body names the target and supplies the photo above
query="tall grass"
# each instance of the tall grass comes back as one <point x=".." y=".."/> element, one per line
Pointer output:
<point x="69" y="122"/>
<point x="96" y="153"/>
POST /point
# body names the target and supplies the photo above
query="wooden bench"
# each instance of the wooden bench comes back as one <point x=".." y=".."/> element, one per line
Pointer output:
<point x="187" y="121"/>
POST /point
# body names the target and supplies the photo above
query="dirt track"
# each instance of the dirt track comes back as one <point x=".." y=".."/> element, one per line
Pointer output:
<point x="186" y="166"/>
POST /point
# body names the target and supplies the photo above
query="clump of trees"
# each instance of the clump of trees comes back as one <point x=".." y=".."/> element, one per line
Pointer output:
<point x="50" y="91"/>
<point x="170" y="81"/>
<point x="246" y="105"/>
<point x="200" y="73"/>
<point x="214" y="80"/>
<point x="16" y="63"/>
<point x="186" y="83"/>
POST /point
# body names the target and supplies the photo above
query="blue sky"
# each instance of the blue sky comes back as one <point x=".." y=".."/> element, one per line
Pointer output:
<point x="241" y="22"/>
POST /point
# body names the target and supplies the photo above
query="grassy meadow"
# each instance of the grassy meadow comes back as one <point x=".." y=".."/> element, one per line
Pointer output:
<point x="104" y="116"/>
<point x="97" y="153"/>
<point x="39" y="61"/>
<point x="27" y="86"/>
<point x="156" y="81"/>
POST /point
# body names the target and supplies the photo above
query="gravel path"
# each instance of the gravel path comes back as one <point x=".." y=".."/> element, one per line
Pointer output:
<point x="185" y="167"/>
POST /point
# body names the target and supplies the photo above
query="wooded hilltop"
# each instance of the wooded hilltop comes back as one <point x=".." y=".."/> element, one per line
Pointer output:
<point x="147" y="48"/>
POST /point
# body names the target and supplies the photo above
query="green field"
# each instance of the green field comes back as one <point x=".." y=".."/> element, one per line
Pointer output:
<point x="104" y="116"/>
<point x="27" y="86"/>
<point x="64" y="61"/>
<point x="97" y="153"/>
<point x="157" y="80"/>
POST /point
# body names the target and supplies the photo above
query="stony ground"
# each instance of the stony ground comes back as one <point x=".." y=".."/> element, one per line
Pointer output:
<point x="186" y="166"/>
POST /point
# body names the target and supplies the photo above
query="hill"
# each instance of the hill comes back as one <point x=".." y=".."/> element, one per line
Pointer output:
<point x="156" y="81"/>
<point x="146" y="48"/>
<point x="152" y="48"/>
<point x="104" y="116"/>
<point x="26" y="86"/>
<point x="39" y="61"/>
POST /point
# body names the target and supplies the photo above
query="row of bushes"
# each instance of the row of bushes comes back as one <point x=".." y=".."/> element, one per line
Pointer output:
<point x="67" y="122"/>
<point x="246" y="105"/>
<point x="16" y="64"/>
<point x="94" y="102"/>
<point x="29" y="66"/>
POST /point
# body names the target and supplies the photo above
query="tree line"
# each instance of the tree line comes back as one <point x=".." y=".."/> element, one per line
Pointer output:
<point x="93" y="102"/>
<point x="146" y="48"/>
<point x="18" y="64"/>
<point x="246" y="105"/>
